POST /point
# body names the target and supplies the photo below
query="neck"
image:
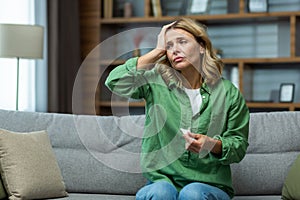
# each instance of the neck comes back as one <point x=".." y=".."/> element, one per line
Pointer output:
<point x="192" y="80"/>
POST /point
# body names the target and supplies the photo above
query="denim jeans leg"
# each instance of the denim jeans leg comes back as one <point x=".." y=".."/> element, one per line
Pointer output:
<point x="201" y="191"/>
<point x="161" y="190"/>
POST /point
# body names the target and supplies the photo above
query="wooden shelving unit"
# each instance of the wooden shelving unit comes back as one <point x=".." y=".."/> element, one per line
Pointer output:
<point x="106" y="27"/>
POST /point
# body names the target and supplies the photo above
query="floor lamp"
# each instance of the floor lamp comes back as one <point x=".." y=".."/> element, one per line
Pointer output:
<point x="21" y="41"/>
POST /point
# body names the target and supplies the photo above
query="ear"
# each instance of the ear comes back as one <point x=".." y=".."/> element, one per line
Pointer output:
<point x="202" y="49"/>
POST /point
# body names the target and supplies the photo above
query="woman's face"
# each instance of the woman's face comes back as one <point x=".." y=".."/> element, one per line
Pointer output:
<point x="183" y="51"/>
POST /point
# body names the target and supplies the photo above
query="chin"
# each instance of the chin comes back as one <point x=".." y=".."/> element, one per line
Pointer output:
<point x="180" y="66"/>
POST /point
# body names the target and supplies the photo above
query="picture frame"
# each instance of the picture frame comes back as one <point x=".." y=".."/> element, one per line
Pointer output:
<point x="198" y="7"/>
<point x="255" y="6"/>
<point x="286" y="92"/>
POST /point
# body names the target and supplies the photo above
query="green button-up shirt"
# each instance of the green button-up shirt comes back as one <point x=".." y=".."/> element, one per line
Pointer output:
<point x="223" y="115"/>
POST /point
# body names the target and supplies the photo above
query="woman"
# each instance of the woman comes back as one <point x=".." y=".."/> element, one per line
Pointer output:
<point x="196" y="121"/>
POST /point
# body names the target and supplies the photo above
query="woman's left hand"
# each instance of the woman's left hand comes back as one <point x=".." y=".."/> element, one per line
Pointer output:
<point x="197" y="142"/>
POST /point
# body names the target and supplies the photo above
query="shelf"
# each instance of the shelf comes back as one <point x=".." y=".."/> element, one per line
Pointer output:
<point x="289" y="106"/>
<point x="232" y="17"/>
<point x="261" y="60"/>
<point x="261" y="105"/>
<point x="121" y="104"/>
<point x="229" y="60"/>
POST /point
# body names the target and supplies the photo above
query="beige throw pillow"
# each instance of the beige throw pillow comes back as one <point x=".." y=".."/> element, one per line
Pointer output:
<point x="29" y="169"/>
<point x="291" y="185"/>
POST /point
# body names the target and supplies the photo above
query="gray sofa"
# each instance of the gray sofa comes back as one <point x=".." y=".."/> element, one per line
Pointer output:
<point x="99" y="155"/>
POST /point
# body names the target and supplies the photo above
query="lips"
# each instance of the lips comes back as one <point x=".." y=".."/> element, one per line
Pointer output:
<point x="178" y="59"/>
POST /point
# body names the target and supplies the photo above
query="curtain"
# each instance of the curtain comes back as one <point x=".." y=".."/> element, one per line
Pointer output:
<point x="41" y="65"/>
<point x="63" y="53"/>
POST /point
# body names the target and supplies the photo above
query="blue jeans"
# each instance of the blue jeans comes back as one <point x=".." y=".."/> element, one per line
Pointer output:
<point x="163" y="190"/>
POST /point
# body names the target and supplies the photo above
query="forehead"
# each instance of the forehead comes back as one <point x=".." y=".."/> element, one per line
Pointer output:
<point x="172" y="34"/>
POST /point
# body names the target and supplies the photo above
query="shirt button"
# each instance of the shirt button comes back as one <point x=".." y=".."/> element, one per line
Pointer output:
<point x="203" y="97"/>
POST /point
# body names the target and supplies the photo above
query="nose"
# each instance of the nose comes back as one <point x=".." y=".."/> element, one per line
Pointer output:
<point x="174" y="49"/>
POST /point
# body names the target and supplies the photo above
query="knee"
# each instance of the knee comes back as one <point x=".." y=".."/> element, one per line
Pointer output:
<point x="199" y="191"/>
<point x="165" y="190"/>
<point x="161" y="190"/>
<point x="191" y="193"/>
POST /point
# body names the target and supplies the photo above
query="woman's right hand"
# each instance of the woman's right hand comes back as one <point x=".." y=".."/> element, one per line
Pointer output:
<point x="148" y="60"/>
<point x="161" y="37"/>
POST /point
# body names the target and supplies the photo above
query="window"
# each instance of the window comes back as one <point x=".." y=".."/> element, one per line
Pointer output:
<point x="17" y="12"/>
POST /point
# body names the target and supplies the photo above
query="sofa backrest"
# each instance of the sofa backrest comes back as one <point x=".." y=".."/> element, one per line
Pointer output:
<point x="100" y="154"/>
<point x="274" y="143"/>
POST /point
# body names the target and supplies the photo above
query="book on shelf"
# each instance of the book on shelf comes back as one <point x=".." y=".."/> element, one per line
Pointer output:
<point x="156" y="8"/>
<point x="234" y="76"/>
<point x="147" y="8"/>
<point x="108" y="8"/>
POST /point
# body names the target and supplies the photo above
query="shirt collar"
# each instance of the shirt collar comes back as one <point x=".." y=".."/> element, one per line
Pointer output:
<point x="206" y="88"/>
<point x="172" y="85"/>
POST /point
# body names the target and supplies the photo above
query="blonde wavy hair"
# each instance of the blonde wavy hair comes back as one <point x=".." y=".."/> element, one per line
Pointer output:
<point x="211" y="65"/>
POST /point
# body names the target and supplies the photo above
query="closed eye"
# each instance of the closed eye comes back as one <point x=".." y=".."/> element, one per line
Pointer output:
<point x="182" y="41"/>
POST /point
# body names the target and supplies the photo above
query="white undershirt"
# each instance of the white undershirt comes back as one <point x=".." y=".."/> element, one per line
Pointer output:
<point x="195" y="99"/>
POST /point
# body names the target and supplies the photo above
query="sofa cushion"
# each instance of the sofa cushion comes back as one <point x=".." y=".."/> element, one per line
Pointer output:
<point x="108" y="156"/>
<point x="291" y="186"/>
<point x="28" y="166"/>
<point x="274" y="132"/>
<point x="269" y="169"/>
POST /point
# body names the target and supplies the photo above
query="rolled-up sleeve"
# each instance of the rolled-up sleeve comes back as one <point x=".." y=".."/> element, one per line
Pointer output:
<point x="235" y="137"/>
<point x="125" y="80"/>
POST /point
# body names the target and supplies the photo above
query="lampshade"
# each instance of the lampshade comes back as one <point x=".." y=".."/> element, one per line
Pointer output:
<point x="22" y="41"/>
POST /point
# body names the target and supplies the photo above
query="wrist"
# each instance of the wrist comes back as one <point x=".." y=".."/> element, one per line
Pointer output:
<point x="159" y="52"/>
<point x="217" y="148"/>
<point x="149" y="59"/>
